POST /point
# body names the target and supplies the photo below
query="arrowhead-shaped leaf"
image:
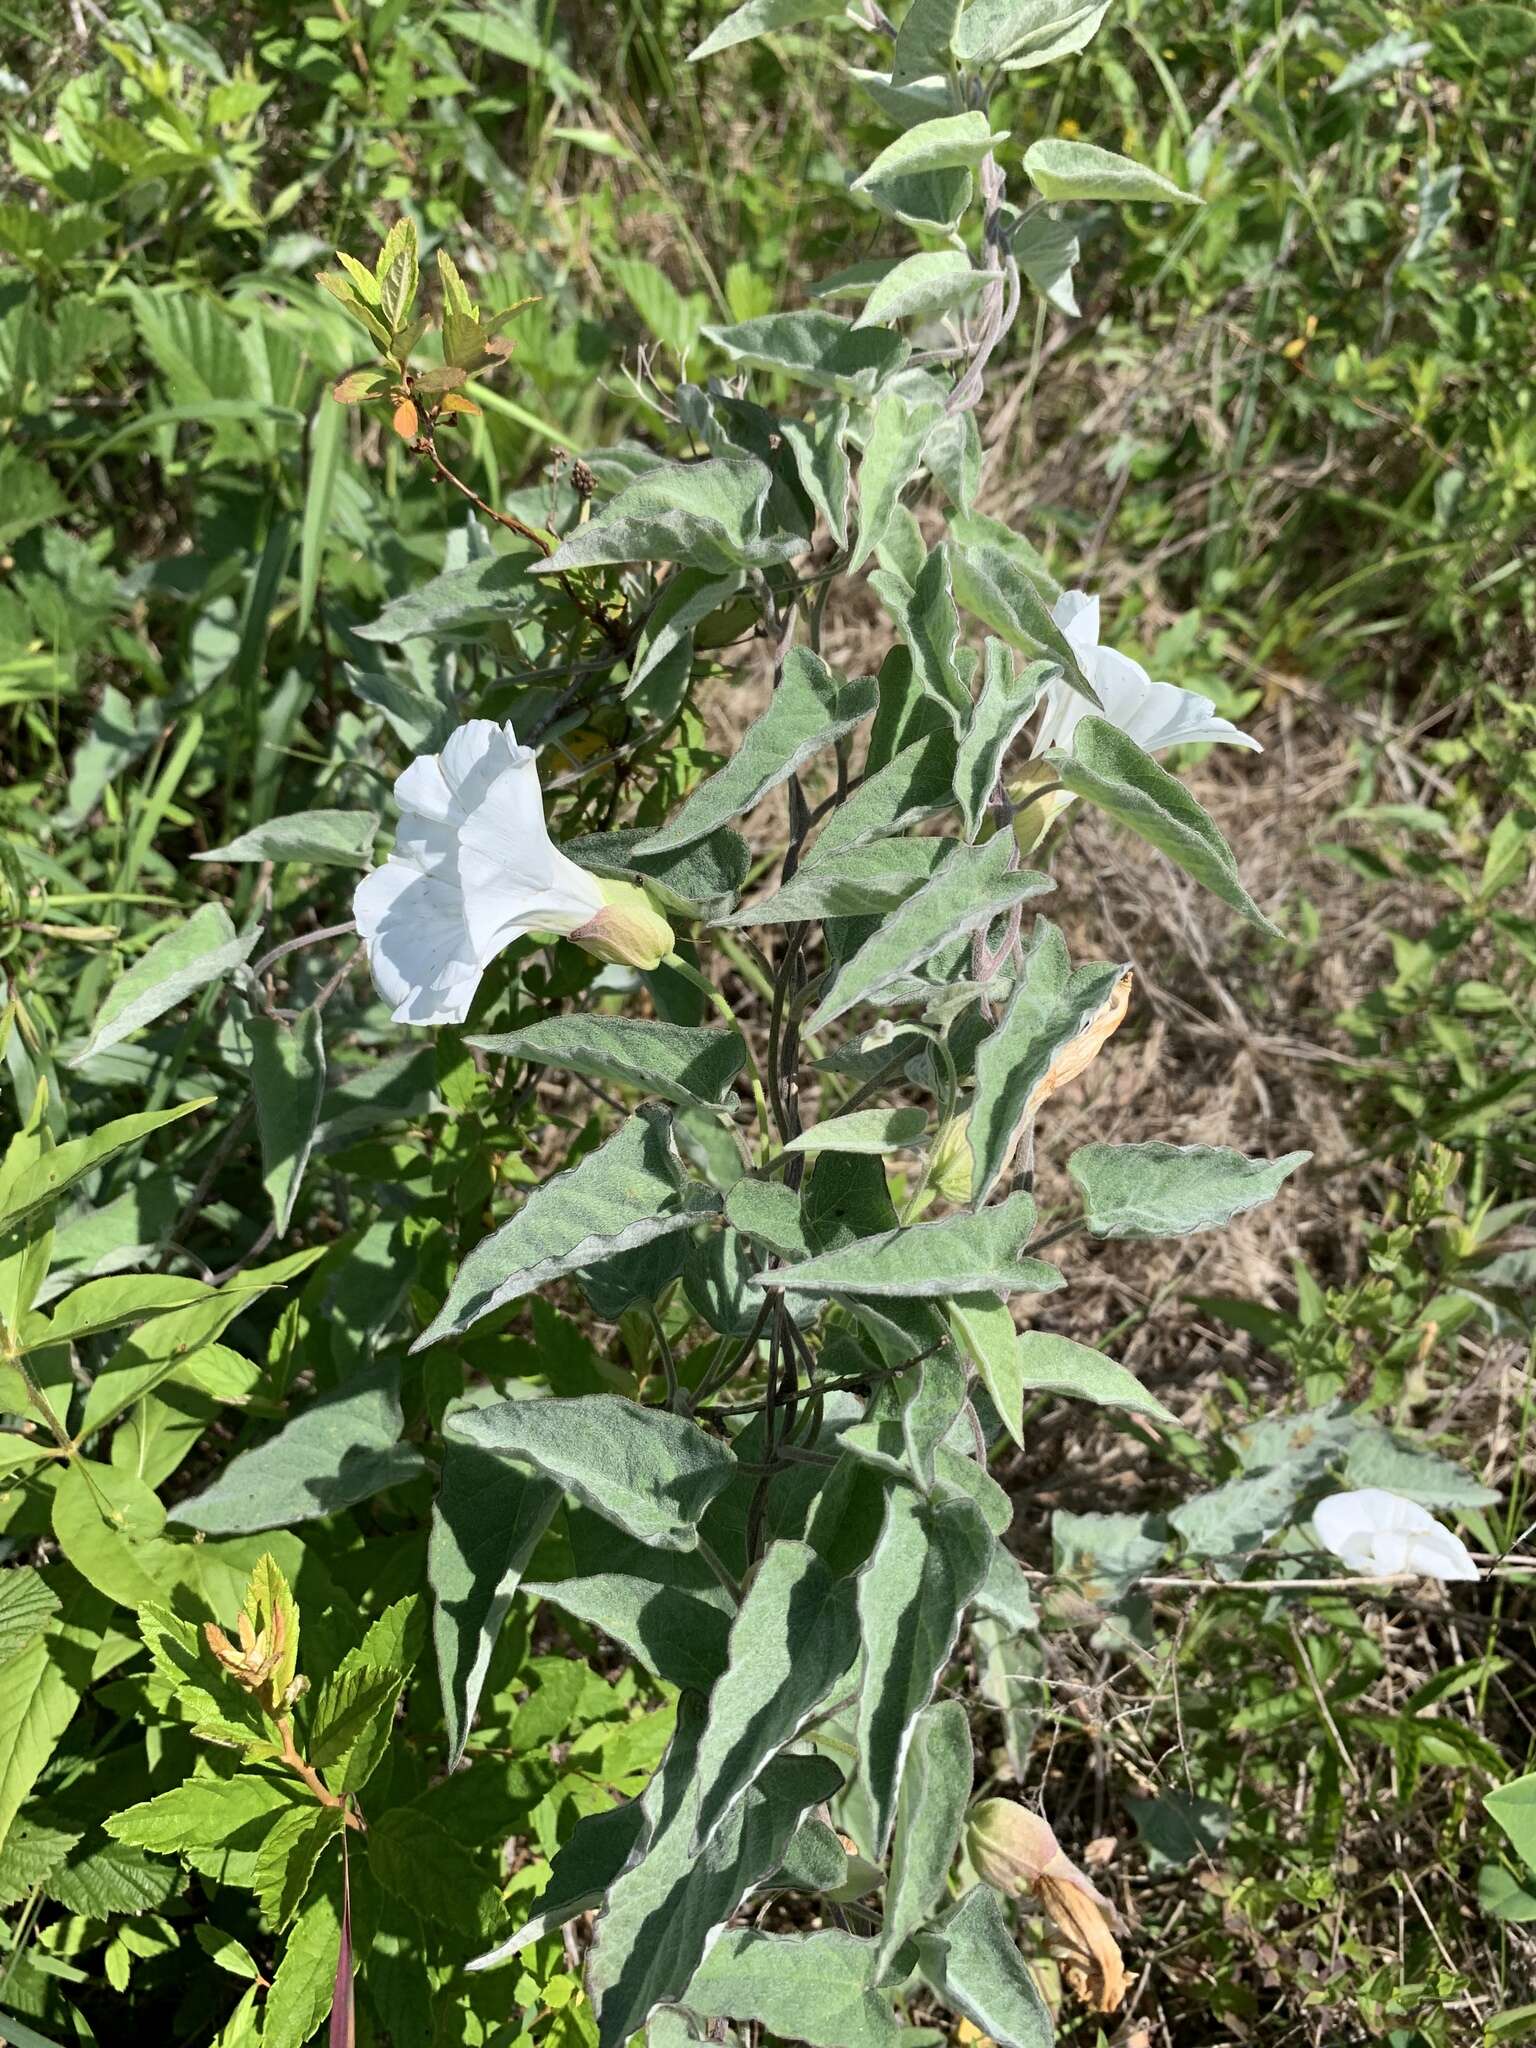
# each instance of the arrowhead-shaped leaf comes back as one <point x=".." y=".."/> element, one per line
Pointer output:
<point x="930" y="1817"/>
<point x="204" y="949"/>
<point x="972" y="1962"/>
<point x="960" y="1254"/>
<point x="688" y="1066"/>
<point x="815" y="348"/>
<point x="1079" y="170"/>
<point x="1007" y="699"/>
<point x="1162" y="1190"/>
<point x="817" y="1988"/>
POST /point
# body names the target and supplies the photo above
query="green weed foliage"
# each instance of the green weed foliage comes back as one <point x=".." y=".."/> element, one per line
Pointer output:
<point x="570" y="1472"/>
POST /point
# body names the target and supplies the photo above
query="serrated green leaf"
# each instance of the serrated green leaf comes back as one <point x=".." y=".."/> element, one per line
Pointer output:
<point x="1079" y="170"/>
<point x="930" y="1817"/>
<point x="340" y="1449"/>
<point x="971" y="1961"/>
<point x="112" y="1878"/>
<point x="873" y="1132"/>
<point x="212" y="1822"/>
<point x="27" y="1605"/>
<point x="973" y="887"/>
<point x="627" y="1193"/>
<point x="1007" y="699"/>
<point x="108" y="1523"/>
<point x="926" y="1566"/>
<point x="1159" y="1190"/>
<point x="318" y="838"/>
<point x="651" y="1472"/>
<point x="817" y="1988"/>
<point x="350" y="1722"/>
<point x="304" y="1985"/>
<point x="1108" y="768"/>
<point x="288" y="1076"/>
<point x="790" y="1644"/>
<point x="286" y="1860"/>
<point x="30" y="1856"/>
<point x="486" y="1521"/>
<point x="414" y="1857"/>
<point x="693" y="1067"/>
<point x="810" y="710"/>
<point x="815" y="348"/>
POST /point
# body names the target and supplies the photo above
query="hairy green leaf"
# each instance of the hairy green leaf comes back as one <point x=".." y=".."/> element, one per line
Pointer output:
<point x="693" y="1067"/>
<point x="288" y="1081"/>
<point x="972" y="1962"/>
<point x="1159" y="1190"/>
<point x="930" y="1817"/>
<point x="203" y="949"/>
<point x="318" y="838"/>
<point x="1079" y="170"/>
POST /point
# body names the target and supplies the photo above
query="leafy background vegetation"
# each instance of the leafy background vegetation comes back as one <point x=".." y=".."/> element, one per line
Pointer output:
<point x="1292" y="436"/>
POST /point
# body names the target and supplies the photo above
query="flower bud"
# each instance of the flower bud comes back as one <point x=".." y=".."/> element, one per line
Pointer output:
<point x="628" y="931"/>
<point x="953" y="1172"/>
<point x="1011" y="1848"/>
<point x="1017" y="1853"/>
<point x="1032" y="820"/>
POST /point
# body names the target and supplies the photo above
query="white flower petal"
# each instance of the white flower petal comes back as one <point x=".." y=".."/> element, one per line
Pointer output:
<point x="1076" y="615"/>
<point x="1371" y="1530"/>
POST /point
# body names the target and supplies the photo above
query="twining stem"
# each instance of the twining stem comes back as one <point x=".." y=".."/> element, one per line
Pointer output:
<point x="312" y="1777"/>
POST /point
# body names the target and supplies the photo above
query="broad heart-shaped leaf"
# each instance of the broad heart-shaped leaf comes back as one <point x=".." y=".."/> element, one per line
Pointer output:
<point x="924" y="40"/>
<point x="701" y="879"/>
<point x="1376" y="1458"/>
<point x="1052" y="1006"/>
<point x="666" y="1908"/>
<point x="792" y="1641"/>
<point x="1006" y="700"/>
<point x="929" y="624"/>
<point x="1108" y="768"/>
<point x="1025" y="33"/>
<point x="1513" y="1806"/>
<point x="808" y="711"/>
<point x="288" y="1082"/>
<point x="871" y="1131"/>
<point x="340" y="1449"/>
<point x="817" y="1988"/>
<point x="1049" y="1364"/>
<point x="651" y="1472"/>
<point x="930" y="1817"/>
<point x="991" y="584"/>
<point x="916" y="784"/>
<point x="1079" y="170"/>
<point x="472" y="595"/>
<point x="693" y="1067"/>
<point x="485" y="1522"/>
<point x="926" y="1566"/>
<point x="204" y="949"/>
<point x="952" y="142"/>
<point x="815" y="348"/>
<point x="960" y="1254"/>
<point x="713" y="515"/>
<point x="628" y="1192"/>
<point x="342" y="839"/>
<point x="922" y="286"/>
<point x="861" y="881"/>
<point x="971" y="1961"/>
<point x="893" y="454"/>
<point x="760" y="18"/>
<point x="974" y="886"/>
<point x="1162" y="1190"/>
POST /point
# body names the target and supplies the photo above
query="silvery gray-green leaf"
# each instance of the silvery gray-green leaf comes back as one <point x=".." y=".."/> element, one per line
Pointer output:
<point x="874" y="1132"/>
<point x="288" y="1083"/>
<point x="893" y="455"/>
<point x="1007" y="699"/>
<point x="992" y="30"/>
<point x="1010" y="1676"/>
<point x="700" y="880"/>
<point x="913" y="1593"/>
<point x="320" y="838"/>
<point x="990" y="583"/>
<point x="1080" y="170"/>
<point x="1108" y="768"/>
<point x="923" y="41"/>
<point x="1045" y="251"/>
<point x="1376" y="1458"/>
<point x="906" y="106"/>
<point x="669" y="1612"/>
<point x="486" y="1521"/>
<point x="631" y="1190"/>
<point x="792" y="1641"/>
<point x="474" y="594"/>
<point x="650" y="1472"/>
<point x="974" y="886"/>
<point x="927" y="620"/>
<point x="1159" y="1190"/>
<point x="917" y="783"/>
<point x="760" y="18"/>
<point x="686" y="599"/>
<point x="691" y="1065"/>
<point x="818" y="349"/>
<point x="809" y="711"/>
<point x="952" y="455"/>
<point x="204" y="948"/>
<point x="712" y="515"/>
<point x="1104" y="1555"/>
<point x="959" y="1254"/>
<point x="1052" y="1004"/>
<point x="861" y="881"/>
<point x="664" y="1911"/>
<point x="920" y="287"/>
<point x="971" y="1961"/>
<point x="580" y="1872"/>
<point x="1049" y="1364"/>
<point x="769" y="1213"/>
<point x="1073" y="29"/>
<point x="817" y="1988"/>
<point x="952" y="142"/>
<point x="339" y="1449"/>
<point x="930" y="1817"/>
<point x="816" y="447"/>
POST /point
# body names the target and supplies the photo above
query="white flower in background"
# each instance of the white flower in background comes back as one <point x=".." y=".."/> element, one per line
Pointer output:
<point x="1154" y="715"/>
<point x="1378" y="1532"/>
<point x="474" y="868"/>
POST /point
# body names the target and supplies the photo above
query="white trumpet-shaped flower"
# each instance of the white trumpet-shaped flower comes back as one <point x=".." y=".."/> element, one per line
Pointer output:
<point x="1373" y="1531"/>
<point x="1154" y="715"/>
<point x="474" y="868"/>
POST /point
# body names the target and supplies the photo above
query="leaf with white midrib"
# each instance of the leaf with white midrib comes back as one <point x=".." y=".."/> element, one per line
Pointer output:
<point x="958" y="1254"/>
<point x="1160" y="1190"/>
<point x="692" y="1066"/>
